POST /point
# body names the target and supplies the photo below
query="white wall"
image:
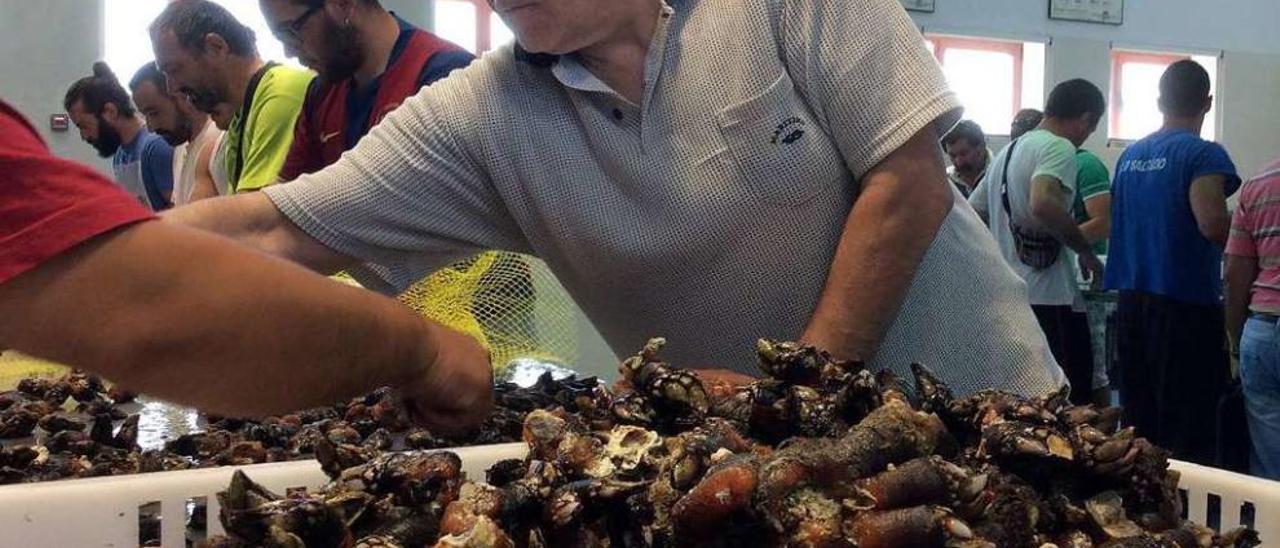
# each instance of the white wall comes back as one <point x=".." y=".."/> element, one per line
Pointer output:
<point x="1249" y="71"/>
<point x="1235" y="25"/>
<point x="47" y="45"/>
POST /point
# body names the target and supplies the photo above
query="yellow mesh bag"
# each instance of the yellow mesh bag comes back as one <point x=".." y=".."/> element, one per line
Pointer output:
<point x="509" y="302"/>
<point x="15" y="367"/>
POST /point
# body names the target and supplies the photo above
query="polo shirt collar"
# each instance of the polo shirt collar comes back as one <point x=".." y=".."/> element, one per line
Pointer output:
<point x="546" y="60"/>
<point x="573" y="74"/>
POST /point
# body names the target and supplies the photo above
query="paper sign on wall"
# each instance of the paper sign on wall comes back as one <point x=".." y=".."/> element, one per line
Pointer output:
<point x="1110" y="12"/>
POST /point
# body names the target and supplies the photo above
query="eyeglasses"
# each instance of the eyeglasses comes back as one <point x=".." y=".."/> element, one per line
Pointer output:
<point x="288" y="30"/>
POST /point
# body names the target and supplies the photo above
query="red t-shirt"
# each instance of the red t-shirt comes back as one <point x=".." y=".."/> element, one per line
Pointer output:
<point x="49" y="205"/>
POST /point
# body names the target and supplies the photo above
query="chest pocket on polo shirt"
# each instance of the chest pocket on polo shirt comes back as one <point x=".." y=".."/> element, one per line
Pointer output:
<point x="783" y="155"/>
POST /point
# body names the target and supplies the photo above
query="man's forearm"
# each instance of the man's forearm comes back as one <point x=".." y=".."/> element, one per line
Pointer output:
<point x="1240" y="273"/>
<point x="1095" y="230"/>
<point x="894" y="221"/>
<point x="253" y="220"/>
<point x="1058" y="222"/>
<point x="211" y="324"/>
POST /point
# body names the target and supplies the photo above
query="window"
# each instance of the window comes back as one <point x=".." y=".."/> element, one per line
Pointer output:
<point x="470" y="24"/>
<point x="128" y="44"/>
<point x="1135" y="92"/>
<point x="994" y="79"/>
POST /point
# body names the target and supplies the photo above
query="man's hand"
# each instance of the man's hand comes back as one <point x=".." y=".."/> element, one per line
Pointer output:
<point x="1091" y="267"/>
<point x="453" y="392"/>
<point x="723" y="376"/>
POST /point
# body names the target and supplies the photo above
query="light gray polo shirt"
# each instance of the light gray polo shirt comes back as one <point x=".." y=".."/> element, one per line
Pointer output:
<point x="710" y="212"/>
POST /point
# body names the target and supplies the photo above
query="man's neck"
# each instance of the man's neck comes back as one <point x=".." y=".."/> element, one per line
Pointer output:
<point x="970" y="177"/>
<point x="379" y="31"/>
<point x="199" y="123"/>
<point x="1057" y="127"/>
<point x="241" y="74"/>
<point x="619" y="59"/>
<point x="129" y="130"/>
<point x="1192" y="124"/>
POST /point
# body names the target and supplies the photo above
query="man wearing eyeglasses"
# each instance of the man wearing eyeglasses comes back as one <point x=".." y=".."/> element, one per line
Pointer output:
<point x="213" y="58"/>
<point x="369" y="61"/>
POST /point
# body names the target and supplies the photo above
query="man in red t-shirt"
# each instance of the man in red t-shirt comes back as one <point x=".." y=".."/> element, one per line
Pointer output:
<point x="86" y="279"/>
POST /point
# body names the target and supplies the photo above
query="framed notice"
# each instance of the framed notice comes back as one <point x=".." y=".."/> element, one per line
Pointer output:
<point x="919" y="5"/>
<point x="1109" y="12"/>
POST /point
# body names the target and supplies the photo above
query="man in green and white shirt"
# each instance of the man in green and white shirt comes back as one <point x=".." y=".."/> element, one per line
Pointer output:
<point x="213" y="58"/>
<point x="1030" y="187"/>
<point x="1092" y="207"/>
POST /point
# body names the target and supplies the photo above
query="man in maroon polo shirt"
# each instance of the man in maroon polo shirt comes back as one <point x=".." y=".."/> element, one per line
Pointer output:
<point x="369" y="61"/>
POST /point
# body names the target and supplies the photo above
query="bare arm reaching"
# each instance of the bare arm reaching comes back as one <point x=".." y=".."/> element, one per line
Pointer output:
<point x="253" y="220"/>
<point x="197" y="319"/>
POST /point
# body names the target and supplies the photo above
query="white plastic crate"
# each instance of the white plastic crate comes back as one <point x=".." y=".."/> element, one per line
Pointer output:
<point x="104" y="511"/>
<point x="1225" y="500"/>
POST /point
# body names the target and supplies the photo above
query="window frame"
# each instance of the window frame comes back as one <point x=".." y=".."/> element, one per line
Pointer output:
<point x="940" y="43"/>
<point x="484" y="16"/>
<point x="944" y="42"/>
<point x="1120" y="57"/>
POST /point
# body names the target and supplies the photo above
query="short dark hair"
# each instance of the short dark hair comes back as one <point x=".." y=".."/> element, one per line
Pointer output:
<point x="1184" y="89"/>
<point x="1075" y="98"/>
<point x="967" y="130"/>
<point x="97" y="91"/>
<point x="192" y="20"/>
<point x="148" y="73"/>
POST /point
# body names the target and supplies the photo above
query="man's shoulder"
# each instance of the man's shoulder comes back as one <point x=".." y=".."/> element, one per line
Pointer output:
<point x="1090" y="162"/>
<point x="1042" y="144"/>
<point x="280" y="95"/>
<point x="1042" y="138"/>
<point x="1085" y="156"/>
<point x="287" y="80"/>
<point x="153" y="141"/>
<point x="1172" y="142"/>
<point x="1266" y="182"/>
<point x="496" y="77"/>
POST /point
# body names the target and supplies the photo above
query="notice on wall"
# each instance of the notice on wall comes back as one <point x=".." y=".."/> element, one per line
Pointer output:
<point x="1109" y="12"/>
<point x="918" y="5"/>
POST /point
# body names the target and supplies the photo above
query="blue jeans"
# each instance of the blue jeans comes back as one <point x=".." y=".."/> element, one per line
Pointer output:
<point x="1260" y="375"/>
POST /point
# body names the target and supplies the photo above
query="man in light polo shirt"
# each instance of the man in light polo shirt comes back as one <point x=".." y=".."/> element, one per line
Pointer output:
<point x="706" y="170"/>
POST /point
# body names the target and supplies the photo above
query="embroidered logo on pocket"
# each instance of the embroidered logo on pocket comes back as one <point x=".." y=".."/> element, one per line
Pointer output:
<point x="788" y="132"/>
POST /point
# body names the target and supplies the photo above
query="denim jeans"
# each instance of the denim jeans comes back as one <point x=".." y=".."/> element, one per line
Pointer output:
<point x="1260" y="375"/>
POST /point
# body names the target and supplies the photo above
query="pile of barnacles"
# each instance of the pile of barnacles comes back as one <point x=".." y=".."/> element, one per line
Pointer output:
<point x="77" y="417"/>
<point x="80" y="429"/>
<point x="819" y="453"/>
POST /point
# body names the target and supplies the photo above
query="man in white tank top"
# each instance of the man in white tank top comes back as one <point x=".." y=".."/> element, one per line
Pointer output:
<point x="173" y="117"/>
